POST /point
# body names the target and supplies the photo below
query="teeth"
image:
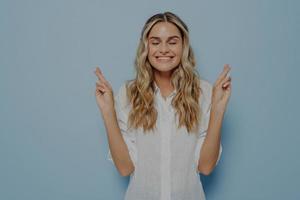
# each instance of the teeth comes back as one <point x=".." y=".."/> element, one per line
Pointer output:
<point x="164" y="58"/>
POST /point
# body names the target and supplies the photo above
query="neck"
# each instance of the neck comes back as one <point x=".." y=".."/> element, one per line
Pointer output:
<point x="163" y="80"/>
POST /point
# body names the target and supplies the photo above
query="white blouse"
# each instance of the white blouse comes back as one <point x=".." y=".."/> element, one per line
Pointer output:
<point x="166" y="159"/>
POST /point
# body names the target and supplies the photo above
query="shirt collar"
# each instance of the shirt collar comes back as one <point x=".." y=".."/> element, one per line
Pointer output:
<point x="156" y="89"/>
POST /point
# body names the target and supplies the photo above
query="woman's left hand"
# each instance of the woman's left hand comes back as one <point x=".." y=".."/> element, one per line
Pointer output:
<point x="222" y="90"/>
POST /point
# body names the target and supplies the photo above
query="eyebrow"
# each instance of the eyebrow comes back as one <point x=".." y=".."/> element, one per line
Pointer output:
<point x="169" y="38"/>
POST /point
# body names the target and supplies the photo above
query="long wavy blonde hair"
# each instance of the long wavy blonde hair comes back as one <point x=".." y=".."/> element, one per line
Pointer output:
<point x="185" y="78"/>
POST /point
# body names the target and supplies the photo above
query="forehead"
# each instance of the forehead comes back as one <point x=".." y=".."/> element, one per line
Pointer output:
<point x="164" y="29"/>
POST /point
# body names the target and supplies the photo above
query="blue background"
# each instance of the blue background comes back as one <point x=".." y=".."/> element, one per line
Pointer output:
<point x="53" y="143"/>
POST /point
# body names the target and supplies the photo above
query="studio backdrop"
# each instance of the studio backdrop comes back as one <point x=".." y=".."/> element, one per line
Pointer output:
<point x="53" y="143"/>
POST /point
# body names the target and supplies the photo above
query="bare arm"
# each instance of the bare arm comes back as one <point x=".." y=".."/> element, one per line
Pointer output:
<point x="211" y="146"/>
<point x="117" y="145"/>
<point x="210" y="150"/>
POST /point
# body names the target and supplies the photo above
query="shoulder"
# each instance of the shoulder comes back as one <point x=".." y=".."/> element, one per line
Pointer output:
<point x="121" y="95"/>
<point x="205" y="83"/>
<point x="206" y="93"/>
<point x="206" y="88"/>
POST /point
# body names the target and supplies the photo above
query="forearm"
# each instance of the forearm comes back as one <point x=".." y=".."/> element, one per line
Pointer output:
<point x="117" y="145"/>
<point x="211" y="145"/>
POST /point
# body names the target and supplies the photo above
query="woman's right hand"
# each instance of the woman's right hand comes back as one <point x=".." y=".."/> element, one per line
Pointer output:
<point x="104" y="93"/>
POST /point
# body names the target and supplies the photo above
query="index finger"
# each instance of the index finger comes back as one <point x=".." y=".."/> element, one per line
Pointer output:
<point x="99" y="74"/>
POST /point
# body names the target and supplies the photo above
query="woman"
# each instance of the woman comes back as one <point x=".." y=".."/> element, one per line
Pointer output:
<point x="163" y="127"/>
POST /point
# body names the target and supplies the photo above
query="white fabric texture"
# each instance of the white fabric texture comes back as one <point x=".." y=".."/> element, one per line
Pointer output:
<point x="166" y="159"/>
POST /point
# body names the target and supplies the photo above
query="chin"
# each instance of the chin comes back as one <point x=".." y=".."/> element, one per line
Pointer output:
<point x="164" y="67"/>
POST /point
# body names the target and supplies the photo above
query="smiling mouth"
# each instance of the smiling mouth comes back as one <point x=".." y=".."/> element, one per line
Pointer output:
<point x="164" y="58"/>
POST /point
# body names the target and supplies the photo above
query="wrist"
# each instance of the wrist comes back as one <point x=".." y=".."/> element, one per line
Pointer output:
<point x="217" y="109"/>
<point x="108" y="113"/>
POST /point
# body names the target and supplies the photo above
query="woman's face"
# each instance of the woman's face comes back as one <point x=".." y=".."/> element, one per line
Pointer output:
<point x="164" y="46"/>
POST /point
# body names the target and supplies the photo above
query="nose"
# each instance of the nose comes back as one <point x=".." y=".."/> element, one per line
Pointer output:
<point x="164" y="48"/>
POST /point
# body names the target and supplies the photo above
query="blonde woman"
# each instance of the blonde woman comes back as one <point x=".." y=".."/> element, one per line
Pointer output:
<point x="163" y="127"/>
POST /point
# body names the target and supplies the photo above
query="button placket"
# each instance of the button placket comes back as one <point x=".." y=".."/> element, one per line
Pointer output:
<point x="166" y="151"/>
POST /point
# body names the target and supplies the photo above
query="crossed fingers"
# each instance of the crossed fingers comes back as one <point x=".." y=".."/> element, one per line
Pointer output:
<point x="102" y="82"/>
<point x="224" y="78"/>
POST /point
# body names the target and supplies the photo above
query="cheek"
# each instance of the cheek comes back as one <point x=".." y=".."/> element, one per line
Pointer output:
<point x="177" y="48"/>
<point x="151" y="49"/>
<point x="150" y="55"/>
<point x="178" y="51"/>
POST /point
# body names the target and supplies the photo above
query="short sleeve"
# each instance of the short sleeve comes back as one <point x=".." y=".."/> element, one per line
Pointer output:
<point x="128" y="136"/>
<point x="205" y="102"/>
